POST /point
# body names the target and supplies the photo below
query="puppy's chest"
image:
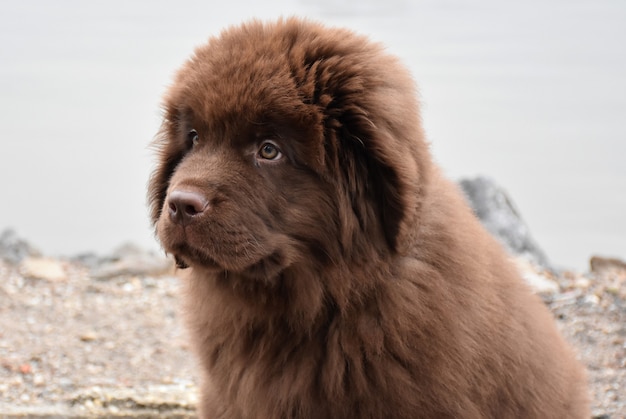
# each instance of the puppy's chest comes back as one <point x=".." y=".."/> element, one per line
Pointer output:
<point x="276" y="378"/>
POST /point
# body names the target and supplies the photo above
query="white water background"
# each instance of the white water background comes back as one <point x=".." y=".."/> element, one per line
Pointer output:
<point x="530" y="93"/>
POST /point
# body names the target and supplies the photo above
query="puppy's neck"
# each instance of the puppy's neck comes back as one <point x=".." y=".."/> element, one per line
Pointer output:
<point x="303" y="298"/>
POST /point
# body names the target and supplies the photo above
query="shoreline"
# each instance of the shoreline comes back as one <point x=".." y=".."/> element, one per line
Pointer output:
<point x="95" y="337"/>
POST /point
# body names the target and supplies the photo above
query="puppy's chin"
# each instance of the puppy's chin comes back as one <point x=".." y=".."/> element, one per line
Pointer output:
<point x="267" y="266"/>
<point x="186" y="257"/>
<point x="266" y="269"/>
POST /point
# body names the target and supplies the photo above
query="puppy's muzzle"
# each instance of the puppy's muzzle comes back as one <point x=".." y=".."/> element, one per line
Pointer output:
<point x="185" y="206"/>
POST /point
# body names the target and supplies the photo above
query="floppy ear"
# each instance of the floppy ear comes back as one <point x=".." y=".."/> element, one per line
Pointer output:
<point x="369" y="102"/>
<point x="399" y="183"/>
<point x="396" y="172"/>
<point x="371" y="111"/>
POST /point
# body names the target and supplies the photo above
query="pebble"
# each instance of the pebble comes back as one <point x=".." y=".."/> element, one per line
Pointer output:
<point x="599" y="264"/>
<point x="43" y="268"/>
<point x="582" y="283"/>
<point x="89" y="336"/>
<point x="128" y="287"/>
<point x="66" y="383"/>
<point x="539" y="282"/>
<point x="26" y="369"/>
<point x="38" y="380"/>
<point x="592" y="299"/>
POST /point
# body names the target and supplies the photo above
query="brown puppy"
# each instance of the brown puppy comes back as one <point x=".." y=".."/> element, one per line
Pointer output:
<point x="332" y="271"/>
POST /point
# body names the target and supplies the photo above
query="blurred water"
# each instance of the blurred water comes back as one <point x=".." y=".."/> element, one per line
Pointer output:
<point x="532" y="93"/>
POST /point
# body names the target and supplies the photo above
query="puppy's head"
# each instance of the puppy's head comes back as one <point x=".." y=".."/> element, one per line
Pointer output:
<point x="284" y="143"/>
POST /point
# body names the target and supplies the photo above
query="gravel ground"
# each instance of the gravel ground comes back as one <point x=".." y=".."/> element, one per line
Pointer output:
<point x="72" y="345"/>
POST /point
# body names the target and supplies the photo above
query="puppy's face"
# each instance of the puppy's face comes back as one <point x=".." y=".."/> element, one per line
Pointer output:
<point x="277" y="152"/>
<point x="242" y="199"/>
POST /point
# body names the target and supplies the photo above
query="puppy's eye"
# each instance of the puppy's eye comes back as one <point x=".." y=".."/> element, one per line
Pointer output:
<point x="270" y="151"/>
<point x="192" y="138"/>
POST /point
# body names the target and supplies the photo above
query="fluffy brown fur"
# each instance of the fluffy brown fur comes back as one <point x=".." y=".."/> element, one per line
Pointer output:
<point x="332" y="271"/>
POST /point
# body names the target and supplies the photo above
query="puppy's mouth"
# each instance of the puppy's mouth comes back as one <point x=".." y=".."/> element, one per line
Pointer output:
<point x="264" y="266"/>
<point x="180" y="264"/>
<point x="186" y="256"/>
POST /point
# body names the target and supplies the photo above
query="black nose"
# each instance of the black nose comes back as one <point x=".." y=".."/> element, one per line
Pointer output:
<point x="185" y="205"/>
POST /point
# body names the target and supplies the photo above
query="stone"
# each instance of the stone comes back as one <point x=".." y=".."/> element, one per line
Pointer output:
<point x="600" y="264"/>
<point x="43" y="268"/>
<point x="89" y="336"/>
<point x="131" y="260"/>
<point x="500" y="217"/>
<point x="14" y="249"/>
<point x="539" y="282"/>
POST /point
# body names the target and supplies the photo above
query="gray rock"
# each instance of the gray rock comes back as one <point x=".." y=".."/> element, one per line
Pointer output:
<point x="129" y="260"/>
<point x="498" y="214"/>
<point x="14" y="249"/>
<point x="89" y="260"/>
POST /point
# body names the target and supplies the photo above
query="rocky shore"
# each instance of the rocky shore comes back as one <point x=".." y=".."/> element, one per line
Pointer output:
<point x="101" y="336"/>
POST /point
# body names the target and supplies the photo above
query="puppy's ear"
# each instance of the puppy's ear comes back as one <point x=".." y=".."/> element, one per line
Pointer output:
<point x="397" y="172"/>
<point x="399" y="183"/>
<point x="373" y="111"/>
<point x="370" y="111"/>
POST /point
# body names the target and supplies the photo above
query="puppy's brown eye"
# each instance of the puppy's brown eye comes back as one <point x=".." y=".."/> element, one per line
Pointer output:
<point x="269" y="151"/>
<point x="192" y="138"/>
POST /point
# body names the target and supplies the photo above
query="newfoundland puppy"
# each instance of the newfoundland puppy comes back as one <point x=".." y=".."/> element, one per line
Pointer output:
<point x="330" y="270"/>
